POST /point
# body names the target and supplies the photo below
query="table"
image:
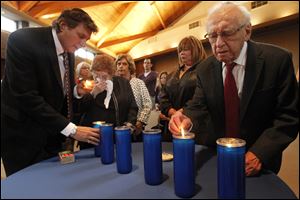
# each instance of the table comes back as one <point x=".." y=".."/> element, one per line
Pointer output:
<point x="89" y="178"/>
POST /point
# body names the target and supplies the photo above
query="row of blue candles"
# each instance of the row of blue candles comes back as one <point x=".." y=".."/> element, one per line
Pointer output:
<point x="231" y="178"/>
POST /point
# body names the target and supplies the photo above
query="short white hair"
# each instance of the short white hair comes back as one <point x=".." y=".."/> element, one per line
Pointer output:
<point x="246" y="14"/>
<point x="80" y="65"/>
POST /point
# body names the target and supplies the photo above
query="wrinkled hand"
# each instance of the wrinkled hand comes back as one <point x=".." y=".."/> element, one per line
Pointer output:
<point x="178" y="121"/>
<point x="87" y="134"/>
<point x="252" y="164"/>
<point x="98" y="88"/>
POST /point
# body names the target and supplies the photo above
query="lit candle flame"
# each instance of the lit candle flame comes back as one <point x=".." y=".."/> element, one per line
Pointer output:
<point x="88" y="84"/>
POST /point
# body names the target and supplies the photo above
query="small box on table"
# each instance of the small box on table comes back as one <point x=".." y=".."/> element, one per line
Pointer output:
<point x="66" y="157"/>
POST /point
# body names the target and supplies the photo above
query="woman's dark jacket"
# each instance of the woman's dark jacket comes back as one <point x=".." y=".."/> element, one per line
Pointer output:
<point x="122" y="106"/>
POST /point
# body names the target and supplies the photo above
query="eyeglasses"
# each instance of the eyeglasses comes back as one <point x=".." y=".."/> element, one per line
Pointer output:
<point x="224" y="34"/>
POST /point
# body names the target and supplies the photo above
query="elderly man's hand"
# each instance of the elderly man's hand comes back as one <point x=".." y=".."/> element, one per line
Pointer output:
<point x="253" y="164"/>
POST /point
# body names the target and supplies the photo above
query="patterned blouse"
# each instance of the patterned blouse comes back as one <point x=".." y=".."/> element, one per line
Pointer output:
<point x="142" y="99"/>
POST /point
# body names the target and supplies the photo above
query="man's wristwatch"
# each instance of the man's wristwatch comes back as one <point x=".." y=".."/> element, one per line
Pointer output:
<point x="73" y="131"/>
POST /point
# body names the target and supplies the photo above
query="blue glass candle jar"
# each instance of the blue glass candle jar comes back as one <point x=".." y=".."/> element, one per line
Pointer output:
<point x="97" y="148"/>
<point x="107" y="143"/>
<point x="123" y="149"/>
<point x="152" y="156"/>
<point x="184" y="164"/>
<point x="231" y="168"/>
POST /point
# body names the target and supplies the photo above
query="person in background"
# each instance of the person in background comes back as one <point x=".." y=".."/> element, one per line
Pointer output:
<point x="83" y="72"/>
<point x="149" y="77"/>
<point x="181" y="83"/>
<point x="245" y="90"/>
<point x="163" y="119"/>
<point x="35" y="114"/>
<point x="160" y="84"/>
<point x="111" y="98"/>
<point x="126" y="69"/>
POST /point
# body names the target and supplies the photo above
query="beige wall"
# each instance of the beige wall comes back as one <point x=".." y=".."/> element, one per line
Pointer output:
<point x="286" y="36"/>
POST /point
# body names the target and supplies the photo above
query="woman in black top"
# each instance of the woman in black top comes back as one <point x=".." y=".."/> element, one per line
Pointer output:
<point x="181" y="83"/>
<point x="119" y="108"/>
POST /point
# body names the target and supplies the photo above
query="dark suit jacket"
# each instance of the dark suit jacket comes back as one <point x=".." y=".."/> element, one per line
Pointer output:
<point x="269" y="103"/>
<point x="32" y="99"/>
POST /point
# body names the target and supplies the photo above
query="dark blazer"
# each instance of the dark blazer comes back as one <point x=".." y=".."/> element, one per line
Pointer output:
<point x="178" y="91"/>
<point x="32" y="100"/>
<point x="269" y="103"/>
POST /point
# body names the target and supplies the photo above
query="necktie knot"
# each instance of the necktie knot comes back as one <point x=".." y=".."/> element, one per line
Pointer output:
<point x="230" y="66"/>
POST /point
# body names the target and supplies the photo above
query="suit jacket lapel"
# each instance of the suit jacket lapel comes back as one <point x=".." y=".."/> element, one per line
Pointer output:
<point x="254" y="65"/>
<point x="217" y="86"/>
<point x="53" y="58"/>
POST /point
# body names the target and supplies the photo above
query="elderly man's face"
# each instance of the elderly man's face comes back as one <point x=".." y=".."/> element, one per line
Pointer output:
<point x="227" y="35"/>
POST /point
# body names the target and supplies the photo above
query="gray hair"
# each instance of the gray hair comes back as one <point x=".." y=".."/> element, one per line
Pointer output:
<point x="245" y="13"/>
<point x="80" y="65"/>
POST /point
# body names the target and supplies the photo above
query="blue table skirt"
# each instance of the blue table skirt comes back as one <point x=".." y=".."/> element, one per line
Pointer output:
<point x="89" y="178"/>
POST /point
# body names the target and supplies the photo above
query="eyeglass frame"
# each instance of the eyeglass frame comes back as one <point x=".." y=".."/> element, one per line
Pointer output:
<point x="223" y="34"/>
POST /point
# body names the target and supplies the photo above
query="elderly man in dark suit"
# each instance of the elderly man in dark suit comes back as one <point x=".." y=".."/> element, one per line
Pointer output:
<point x="246" y="90"/>
<point x="36" y="93"/>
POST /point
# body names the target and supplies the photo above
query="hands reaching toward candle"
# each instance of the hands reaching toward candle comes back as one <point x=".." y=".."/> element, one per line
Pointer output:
<point x="252" y="164"/>
<point x="87" y="134"/>
<point x="99" y="87"/>
<point x="178" y="121"/>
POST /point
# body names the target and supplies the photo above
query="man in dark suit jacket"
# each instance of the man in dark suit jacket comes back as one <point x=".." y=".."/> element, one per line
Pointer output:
<point x="33" y="100"/>
<point x="266" y="87"/>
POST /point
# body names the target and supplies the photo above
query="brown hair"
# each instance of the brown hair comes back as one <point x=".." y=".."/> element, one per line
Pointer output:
<point x="73" y="18"/>
<point x="196" y="47"/>
<point x="103" y="62"/>
<point x="158" y="83"/>
<point x="128" y="58"/>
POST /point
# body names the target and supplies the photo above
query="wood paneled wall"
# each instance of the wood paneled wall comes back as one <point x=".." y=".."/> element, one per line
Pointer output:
<point x="285" y="35"/>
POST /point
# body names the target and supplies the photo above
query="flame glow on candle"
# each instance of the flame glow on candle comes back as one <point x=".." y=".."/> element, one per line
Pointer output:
<point x="88" y="84"/>
<point x="182" y="132"/>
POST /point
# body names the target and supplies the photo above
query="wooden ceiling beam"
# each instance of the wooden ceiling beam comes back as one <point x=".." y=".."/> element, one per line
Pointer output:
<point x="57" y="6"/>
<point x="156" y="11"/>
<point x="13" y="4"/>
<point x="129" y="38"/>
<point x="25" y="6"/>
<point x="110" y="29"/>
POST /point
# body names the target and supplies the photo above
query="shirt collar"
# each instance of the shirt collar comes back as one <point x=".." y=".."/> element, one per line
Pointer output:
<point x="241" y="59"/>
<point x="58" y="46"/>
